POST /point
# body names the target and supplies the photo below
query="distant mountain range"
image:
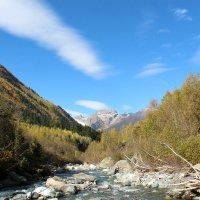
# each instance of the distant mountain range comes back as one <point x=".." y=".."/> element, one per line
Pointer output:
<point x="33" y="109"/>
<point x="108" y="119"/>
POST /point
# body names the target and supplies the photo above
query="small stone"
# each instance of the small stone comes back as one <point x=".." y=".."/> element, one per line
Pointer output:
<point x="95" y="189"/>
<point x="45" y="192"/>
<point x="153" y="183"/>
<point x="29" y="195"/>
<point x="35" y="195"/>
<point x="126" y="183"/>
<point x="70" y="189"/>
<point x="55" y="183"/>
<point x="196" y="198"/>
<point x="92" y="167"/>
<point x="106" y="162"/>
<point x="19" y="197"/>
<point x="85" y="177"/>
<point x="106" y="186"/>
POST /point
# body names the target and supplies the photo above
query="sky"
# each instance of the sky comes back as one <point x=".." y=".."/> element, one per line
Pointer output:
<point x="100" y="54"/>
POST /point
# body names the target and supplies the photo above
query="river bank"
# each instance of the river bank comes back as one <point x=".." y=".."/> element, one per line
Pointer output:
<point x="106" y="180"/>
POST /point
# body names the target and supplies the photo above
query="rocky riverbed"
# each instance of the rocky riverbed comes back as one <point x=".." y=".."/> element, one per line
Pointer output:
<point x="107" y="180"/>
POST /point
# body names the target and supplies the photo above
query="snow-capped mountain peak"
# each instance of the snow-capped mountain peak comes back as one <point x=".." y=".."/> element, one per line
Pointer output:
<point x="109" y="118"/>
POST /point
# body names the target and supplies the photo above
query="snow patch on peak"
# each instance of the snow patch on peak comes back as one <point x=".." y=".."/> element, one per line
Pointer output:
<point x="110" y="118"/>
<point x="106" y="112"/>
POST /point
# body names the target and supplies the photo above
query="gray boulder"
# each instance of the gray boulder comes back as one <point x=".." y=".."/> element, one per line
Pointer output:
<point x="45" y="192"/>
<point x="21" y="196"/>
<point x="85" y="177"/>
<point x="35" y="195"/>
<point x="106" y="163"/>
<point x="122" y="166"/>
<point x="133" y="178"/>
<point x="70" y="189"/>
<point x="105" y="186"/>
<point x="29" y="195"/>
<point x="56" y="183"/>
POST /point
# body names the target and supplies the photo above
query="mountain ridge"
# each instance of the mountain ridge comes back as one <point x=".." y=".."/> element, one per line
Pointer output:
<point x="109" y="118"/>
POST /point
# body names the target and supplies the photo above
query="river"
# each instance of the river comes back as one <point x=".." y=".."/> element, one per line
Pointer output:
<point x="116" y="191"/>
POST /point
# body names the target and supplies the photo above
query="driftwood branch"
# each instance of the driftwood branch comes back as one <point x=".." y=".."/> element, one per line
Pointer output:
<point x="186" y="189"/>
<point x="155" y="158"/>
<point x="193" y="182"/>
<point x="181" y="157"/>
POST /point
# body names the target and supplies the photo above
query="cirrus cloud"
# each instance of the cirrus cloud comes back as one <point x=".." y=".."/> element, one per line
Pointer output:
<point x="163" y="31"/>
<point x="94" y="105"/>
<point x="153" y="69"/>
<point x="34" y="20"/>
<point x="181" y="14"/>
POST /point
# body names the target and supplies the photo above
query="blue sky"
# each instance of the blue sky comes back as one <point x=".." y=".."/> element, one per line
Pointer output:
<point x="94" y="54"/>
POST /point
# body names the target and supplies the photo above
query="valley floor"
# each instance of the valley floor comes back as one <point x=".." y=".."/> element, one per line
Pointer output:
<point x="107" y="180"/>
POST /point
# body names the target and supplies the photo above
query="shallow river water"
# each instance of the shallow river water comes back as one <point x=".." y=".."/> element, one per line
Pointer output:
<point x="117" y="191"/>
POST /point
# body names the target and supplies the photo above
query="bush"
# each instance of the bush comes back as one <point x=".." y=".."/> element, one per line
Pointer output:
<point x="176" y="122"/>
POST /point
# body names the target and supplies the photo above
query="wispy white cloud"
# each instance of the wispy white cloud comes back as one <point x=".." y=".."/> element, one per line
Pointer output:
<point x="146" y="25"/>
<point x="95" y="105"/>
<point x="147" y="22"/>
<point x="34" y="20"/>
<point x="163" y="30"/>
<point x="153" y="69"/>
<point x="195" y="60"/>
<point x="126" y="107"/>
<point x="181" y="14"/>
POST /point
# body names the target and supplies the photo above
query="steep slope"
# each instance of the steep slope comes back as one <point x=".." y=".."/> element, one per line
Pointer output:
<point x="107" y="119"/>
<point x="127" y="118"/>
<point x="34" y="109"/>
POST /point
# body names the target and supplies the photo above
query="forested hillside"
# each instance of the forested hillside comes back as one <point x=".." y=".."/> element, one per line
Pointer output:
<point x="33" y="109"/>
<point x="63" y="144"/>
<point x="16" y="153"/>
<point x="34" y="131"/>
<point x="175" y="124"/>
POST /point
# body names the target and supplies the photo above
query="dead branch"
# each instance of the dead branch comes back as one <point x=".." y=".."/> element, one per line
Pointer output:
<point x="155" y="158"/>
<point x="185" y="189"/>
<point x="183" y="183"/>
<point x="181" y="158"/>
